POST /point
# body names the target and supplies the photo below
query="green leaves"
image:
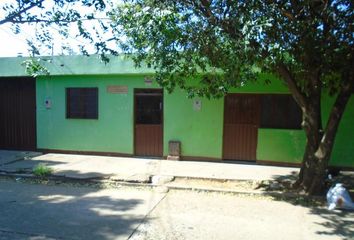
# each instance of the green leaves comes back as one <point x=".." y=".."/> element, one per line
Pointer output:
<point x="190" y="39"/>
<point x="63" y="22"/>
<point x="34" y="67"/>
<point x="181" y="44"/>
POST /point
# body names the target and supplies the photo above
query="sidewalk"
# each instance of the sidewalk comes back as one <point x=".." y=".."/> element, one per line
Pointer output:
<point x="137" y="169"/>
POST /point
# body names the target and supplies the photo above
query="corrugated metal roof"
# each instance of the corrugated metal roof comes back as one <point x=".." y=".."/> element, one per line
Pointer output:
<point x="74" y="65"/>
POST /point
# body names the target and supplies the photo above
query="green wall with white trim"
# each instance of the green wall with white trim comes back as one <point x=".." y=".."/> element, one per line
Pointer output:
<point x="200" y="131"/>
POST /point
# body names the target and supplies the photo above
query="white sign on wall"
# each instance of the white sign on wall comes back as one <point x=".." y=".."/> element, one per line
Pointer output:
<point x="197" y="104"/>
<point x="48" y="103"/>
<point x="148" y="81"/>
<point x="117" y="89"/>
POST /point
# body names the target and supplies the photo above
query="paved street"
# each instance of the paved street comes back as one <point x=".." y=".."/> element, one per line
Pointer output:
<point x="28" y="211"/>
<point x="35" y="211"/>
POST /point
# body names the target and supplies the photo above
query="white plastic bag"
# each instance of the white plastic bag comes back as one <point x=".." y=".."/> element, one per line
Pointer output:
<point x="338" y="197"/>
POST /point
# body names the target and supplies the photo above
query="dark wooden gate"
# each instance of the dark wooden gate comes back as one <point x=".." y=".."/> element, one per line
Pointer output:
<point x="148" y="122"/>
<point x="18" y="113"/>
<point x="241" y="122"/>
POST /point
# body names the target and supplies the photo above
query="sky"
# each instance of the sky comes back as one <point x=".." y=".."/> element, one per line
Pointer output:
<point x="11" y="44"/>
<point x="15" y="44"/>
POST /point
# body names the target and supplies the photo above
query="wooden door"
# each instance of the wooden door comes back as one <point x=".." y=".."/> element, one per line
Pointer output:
<point x="148" y="122"/>
<point x="241" y="122"/>
<point x="18" y="113"/>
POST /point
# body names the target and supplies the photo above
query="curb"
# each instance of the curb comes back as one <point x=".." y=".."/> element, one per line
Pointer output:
<point x="99" y="180"/>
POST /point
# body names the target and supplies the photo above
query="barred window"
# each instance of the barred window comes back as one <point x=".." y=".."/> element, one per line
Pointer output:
<point x="82" y="103"/>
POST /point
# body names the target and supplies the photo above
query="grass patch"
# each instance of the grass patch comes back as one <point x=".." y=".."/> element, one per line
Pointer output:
<point x="41" y="170"/>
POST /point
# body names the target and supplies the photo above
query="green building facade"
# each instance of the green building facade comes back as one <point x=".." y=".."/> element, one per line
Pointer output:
<point x="198" y="123"/>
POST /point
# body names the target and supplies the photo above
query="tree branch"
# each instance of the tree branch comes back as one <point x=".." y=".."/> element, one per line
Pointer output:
<point x="11" y="17"/>
<point x="299" y="97"/>
<point x="55" y="21"/>
<point x="203" y="8"/>
<point x="335" y="117"/>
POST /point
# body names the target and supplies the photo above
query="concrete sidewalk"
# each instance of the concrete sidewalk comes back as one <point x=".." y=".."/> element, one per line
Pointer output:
<point x="141" y="169"/>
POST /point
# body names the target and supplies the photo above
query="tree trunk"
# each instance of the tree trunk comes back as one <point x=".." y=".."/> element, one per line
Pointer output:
<point x="312" y="172"/>
<point x="320" y="142"/>
<point x="317" y="153"/>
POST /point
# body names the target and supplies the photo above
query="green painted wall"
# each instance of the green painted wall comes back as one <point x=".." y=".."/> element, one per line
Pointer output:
<point x="343" y="152"/>
<point x="200" y="131"/>
<point x="280" y="145"/>
<point x="112" y="132"/>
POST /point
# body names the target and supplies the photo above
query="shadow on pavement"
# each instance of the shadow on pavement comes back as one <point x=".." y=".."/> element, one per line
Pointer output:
<point x="69" y="212"/>
<point x="336" y="223"/>
<point x="11" y="156"/>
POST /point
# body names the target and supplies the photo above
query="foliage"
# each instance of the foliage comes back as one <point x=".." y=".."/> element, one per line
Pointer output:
<point x="34" y="67"/>
<point x="175" y="39"/>
<point x="182" y="39"/>
<point x="81" y="21"/>
<point x="41" y="170"/>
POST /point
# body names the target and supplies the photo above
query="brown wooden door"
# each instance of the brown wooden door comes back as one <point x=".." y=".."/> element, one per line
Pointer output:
<point x="241" y="122"/>
<point x="148" y="122"/>
<point x="18" y="113"/>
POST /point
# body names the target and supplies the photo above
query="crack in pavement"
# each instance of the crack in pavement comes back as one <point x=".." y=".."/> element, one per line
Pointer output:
<point x="146" y="215"/>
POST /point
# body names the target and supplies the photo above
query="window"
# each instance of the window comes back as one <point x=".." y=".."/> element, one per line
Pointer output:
<point x="280" y="111"/>
<point x="82" y="103"/>
<point x="148" y="104"/>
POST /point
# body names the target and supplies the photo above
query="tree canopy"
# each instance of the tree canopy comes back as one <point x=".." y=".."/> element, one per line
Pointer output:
<point x="183" y="38"/>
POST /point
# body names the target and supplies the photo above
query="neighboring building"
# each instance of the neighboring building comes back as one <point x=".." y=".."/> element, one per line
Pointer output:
<point x="91" y="107"/>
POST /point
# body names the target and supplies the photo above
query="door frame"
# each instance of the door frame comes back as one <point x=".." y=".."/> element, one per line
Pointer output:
<point x="151" y="92"/>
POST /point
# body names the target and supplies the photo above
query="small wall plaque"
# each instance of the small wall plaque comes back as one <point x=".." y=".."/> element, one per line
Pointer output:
<point x="148" y="81"/>
<point x="48" y="103"/>
<point x="197" y="105"/>
<point x="117" y="89"/>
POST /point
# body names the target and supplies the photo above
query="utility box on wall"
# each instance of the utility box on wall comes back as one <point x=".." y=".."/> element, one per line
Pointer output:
<point x="48" y="103"/>
<point x="174" y="150"/>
